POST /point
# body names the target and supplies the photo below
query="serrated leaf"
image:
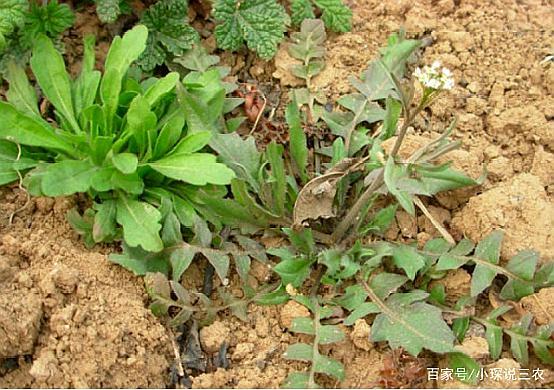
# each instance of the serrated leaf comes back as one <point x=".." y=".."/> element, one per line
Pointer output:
<point x="519" y="342"/>
<point x="489" y="247"/>
<point x="302" y="240"/>
<point x="107" y="10"/>
<point x="481" y="278"/>
<point x="12" y="15"/>
<point x="219" y="261"/>
<point x="170" y="34"/>
<point x="336" y="15"/>
<point x="301" y="10"/>
<point x="455" y="257"/>
<point x="352" y="297"/>
<point x="50" y="18"/>
<point x="414" y="327"/>
<point x="260" y="23"/>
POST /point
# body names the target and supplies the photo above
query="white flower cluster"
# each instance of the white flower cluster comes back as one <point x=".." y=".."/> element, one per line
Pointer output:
<point x="434" y="77"/>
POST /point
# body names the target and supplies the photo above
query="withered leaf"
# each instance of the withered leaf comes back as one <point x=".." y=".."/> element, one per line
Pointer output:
<point x="315" y="200"/>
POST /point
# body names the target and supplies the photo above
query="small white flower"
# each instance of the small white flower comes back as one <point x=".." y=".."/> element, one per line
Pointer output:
<point x="436" y="65"/>
<point x="291" y="290"/>
<point x="434" y="84"/>
<point x="448" y="84"/>
<point x="435" y="78"/>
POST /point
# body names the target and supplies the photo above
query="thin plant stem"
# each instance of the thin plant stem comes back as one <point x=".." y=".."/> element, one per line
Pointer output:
<point x="352" y="216"/>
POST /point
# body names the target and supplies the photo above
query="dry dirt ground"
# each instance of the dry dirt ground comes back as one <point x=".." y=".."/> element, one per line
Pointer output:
<point x="70" y="318"/>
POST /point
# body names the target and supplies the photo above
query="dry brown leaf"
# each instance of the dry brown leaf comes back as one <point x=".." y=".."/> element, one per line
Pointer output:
<point x="315" y="200"/>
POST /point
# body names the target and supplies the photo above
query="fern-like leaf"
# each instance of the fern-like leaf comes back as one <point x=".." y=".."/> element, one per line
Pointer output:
<point x="520" y="270"/>
<point x="323" y="334"/>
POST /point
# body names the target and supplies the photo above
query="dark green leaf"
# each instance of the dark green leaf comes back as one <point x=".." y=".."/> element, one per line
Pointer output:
<point x="261" y="23"/>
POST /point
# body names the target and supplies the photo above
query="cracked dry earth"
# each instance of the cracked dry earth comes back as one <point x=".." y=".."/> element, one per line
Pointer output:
<point x="69" y="318"/>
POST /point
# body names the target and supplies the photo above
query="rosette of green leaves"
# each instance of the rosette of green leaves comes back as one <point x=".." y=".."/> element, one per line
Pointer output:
<point x="128" y="145"/>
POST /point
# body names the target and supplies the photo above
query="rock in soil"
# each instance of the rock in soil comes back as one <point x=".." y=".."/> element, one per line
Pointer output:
<point x="291" y="310"/>
<point x="212" y="336"/>
<point x="81" y="320"/>
<point x="541" y="305"/>
<point x="360" y="335"/>
<point x="520" y="207"/>
<point x="20" y="317"/>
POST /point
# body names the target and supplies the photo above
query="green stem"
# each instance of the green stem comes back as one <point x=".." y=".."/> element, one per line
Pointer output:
<point x="353" y="215"/>
<point x="315" y="346"/>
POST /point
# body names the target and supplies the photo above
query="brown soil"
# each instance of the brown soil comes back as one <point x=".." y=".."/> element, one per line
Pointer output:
<point x="70" y="318"/>
<point x="82" y="321"/>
